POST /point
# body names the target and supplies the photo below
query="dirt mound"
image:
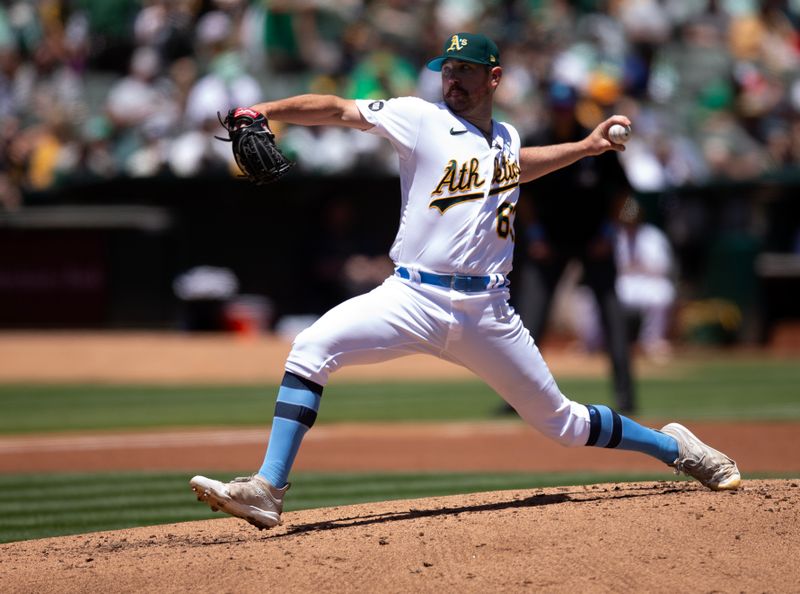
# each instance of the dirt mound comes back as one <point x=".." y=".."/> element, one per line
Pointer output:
<point x="656" y="537"/>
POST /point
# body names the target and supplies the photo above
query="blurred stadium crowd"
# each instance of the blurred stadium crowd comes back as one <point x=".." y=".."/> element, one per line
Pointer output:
<point x="101" y="88"/>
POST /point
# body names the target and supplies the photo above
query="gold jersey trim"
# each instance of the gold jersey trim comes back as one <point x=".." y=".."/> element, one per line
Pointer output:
<point x="442" y="204"/>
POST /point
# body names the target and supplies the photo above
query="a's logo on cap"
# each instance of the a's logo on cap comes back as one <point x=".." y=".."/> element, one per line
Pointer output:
<point x="456" y="44"/>
<point x="492" y="59"/>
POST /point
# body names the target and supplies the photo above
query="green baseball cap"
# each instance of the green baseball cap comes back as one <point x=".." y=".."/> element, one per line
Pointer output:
<point x="469" y="47"/>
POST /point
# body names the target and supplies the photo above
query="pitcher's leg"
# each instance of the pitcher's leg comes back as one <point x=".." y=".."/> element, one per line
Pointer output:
<point x="501" y="351"/>
<point x="609" y="429"/>
<point x="295" y="412"/>
<point x="391" y="321"/>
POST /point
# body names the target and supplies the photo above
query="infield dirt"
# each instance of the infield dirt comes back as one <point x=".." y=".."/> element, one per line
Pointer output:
<point x="646" y="537"/>
<point x="641" y="537"/>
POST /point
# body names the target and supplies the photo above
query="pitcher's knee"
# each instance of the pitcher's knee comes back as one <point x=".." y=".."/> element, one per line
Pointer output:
<point x="568" y="424"/>
<point x="310" y="358"/>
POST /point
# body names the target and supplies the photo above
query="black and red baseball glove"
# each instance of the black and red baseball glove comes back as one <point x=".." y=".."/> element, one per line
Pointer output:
<point x="254" y="148"/>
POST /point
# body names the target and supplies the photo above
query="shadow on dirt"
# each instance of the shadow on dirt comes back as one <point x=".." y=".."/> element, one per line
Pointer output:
<point x="533" y="501"/>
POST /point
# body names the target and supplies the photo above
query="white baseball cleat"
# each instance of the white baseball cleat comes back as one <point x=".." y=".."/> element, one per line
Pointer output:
<point x="251" y="498"/>
<point x="712" y="468"/>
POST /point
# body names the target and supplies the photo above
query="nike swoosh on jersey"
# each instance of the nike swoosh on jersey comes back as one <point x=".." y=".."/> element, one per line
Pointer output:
<point x="456" y="132"/>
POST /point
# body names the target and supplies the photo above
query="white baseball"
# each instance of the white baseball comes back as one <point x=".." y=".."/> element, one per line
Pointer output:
<point x="619" y="134"/>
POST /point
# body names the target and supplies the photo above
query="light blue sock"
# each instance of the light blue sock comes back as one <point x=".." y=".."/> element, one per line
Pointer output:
<point x="295" y="412"/>
<point x="609" y="429"/>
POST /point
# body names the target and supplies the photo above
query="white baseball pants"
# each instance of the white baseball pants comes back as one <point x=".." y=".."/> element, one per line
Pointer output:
<point x="479" y="331"/>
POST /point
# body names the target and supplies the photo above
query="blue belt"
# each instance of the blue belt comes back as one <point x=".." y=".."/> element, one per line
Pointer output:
<point x="457" y="282"/>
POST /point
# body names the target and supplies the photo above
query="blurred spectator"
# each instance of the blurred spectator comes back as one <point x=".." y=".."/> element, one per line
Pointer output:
<point x="167" y="26"/>
<point x="54" y="151"/>
<point x="10" y="62"/>
<point x="382" y="74"/>
<point x="47" y="80"/>
<point x="97" y="157"/>
<point x="645" y="273"/>
<point x="226" y="83"/>
<point x="319" y="149"/>
<point x="142" y="111"/>
<point x="110" y="28"/>
<point x="183" y="74"/>
<point x="729" y="151"/>
<point x="645" y="285"/>
<point x="655" y="158"/>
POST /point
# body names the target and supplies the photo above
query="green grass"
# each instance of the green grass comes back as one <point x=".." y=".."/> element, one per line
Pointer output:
<point x="741" y="389"/>
<point x="37" y="506"/>
<point x="30" y="408"/>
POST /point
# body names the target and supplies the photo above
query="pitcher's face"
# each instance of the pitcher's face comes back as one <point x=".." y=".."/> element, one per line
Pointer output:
<point x="466" y="85"/>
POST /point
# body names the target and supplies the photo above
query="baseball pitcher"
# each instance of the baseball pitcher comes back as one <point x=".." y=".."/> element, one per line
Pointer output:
<point x="460" y="173"/>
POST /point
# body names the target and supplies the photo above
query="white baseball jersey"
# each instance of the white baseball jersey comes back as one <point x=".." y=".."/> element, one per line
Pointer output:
<point x="459" y="188"/>
<point x="459" y="193"/>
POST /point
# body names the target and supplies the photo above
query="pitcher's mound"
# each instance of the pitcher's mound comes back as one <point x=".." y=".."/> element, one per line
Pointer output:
<point x="644" y="537"/>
